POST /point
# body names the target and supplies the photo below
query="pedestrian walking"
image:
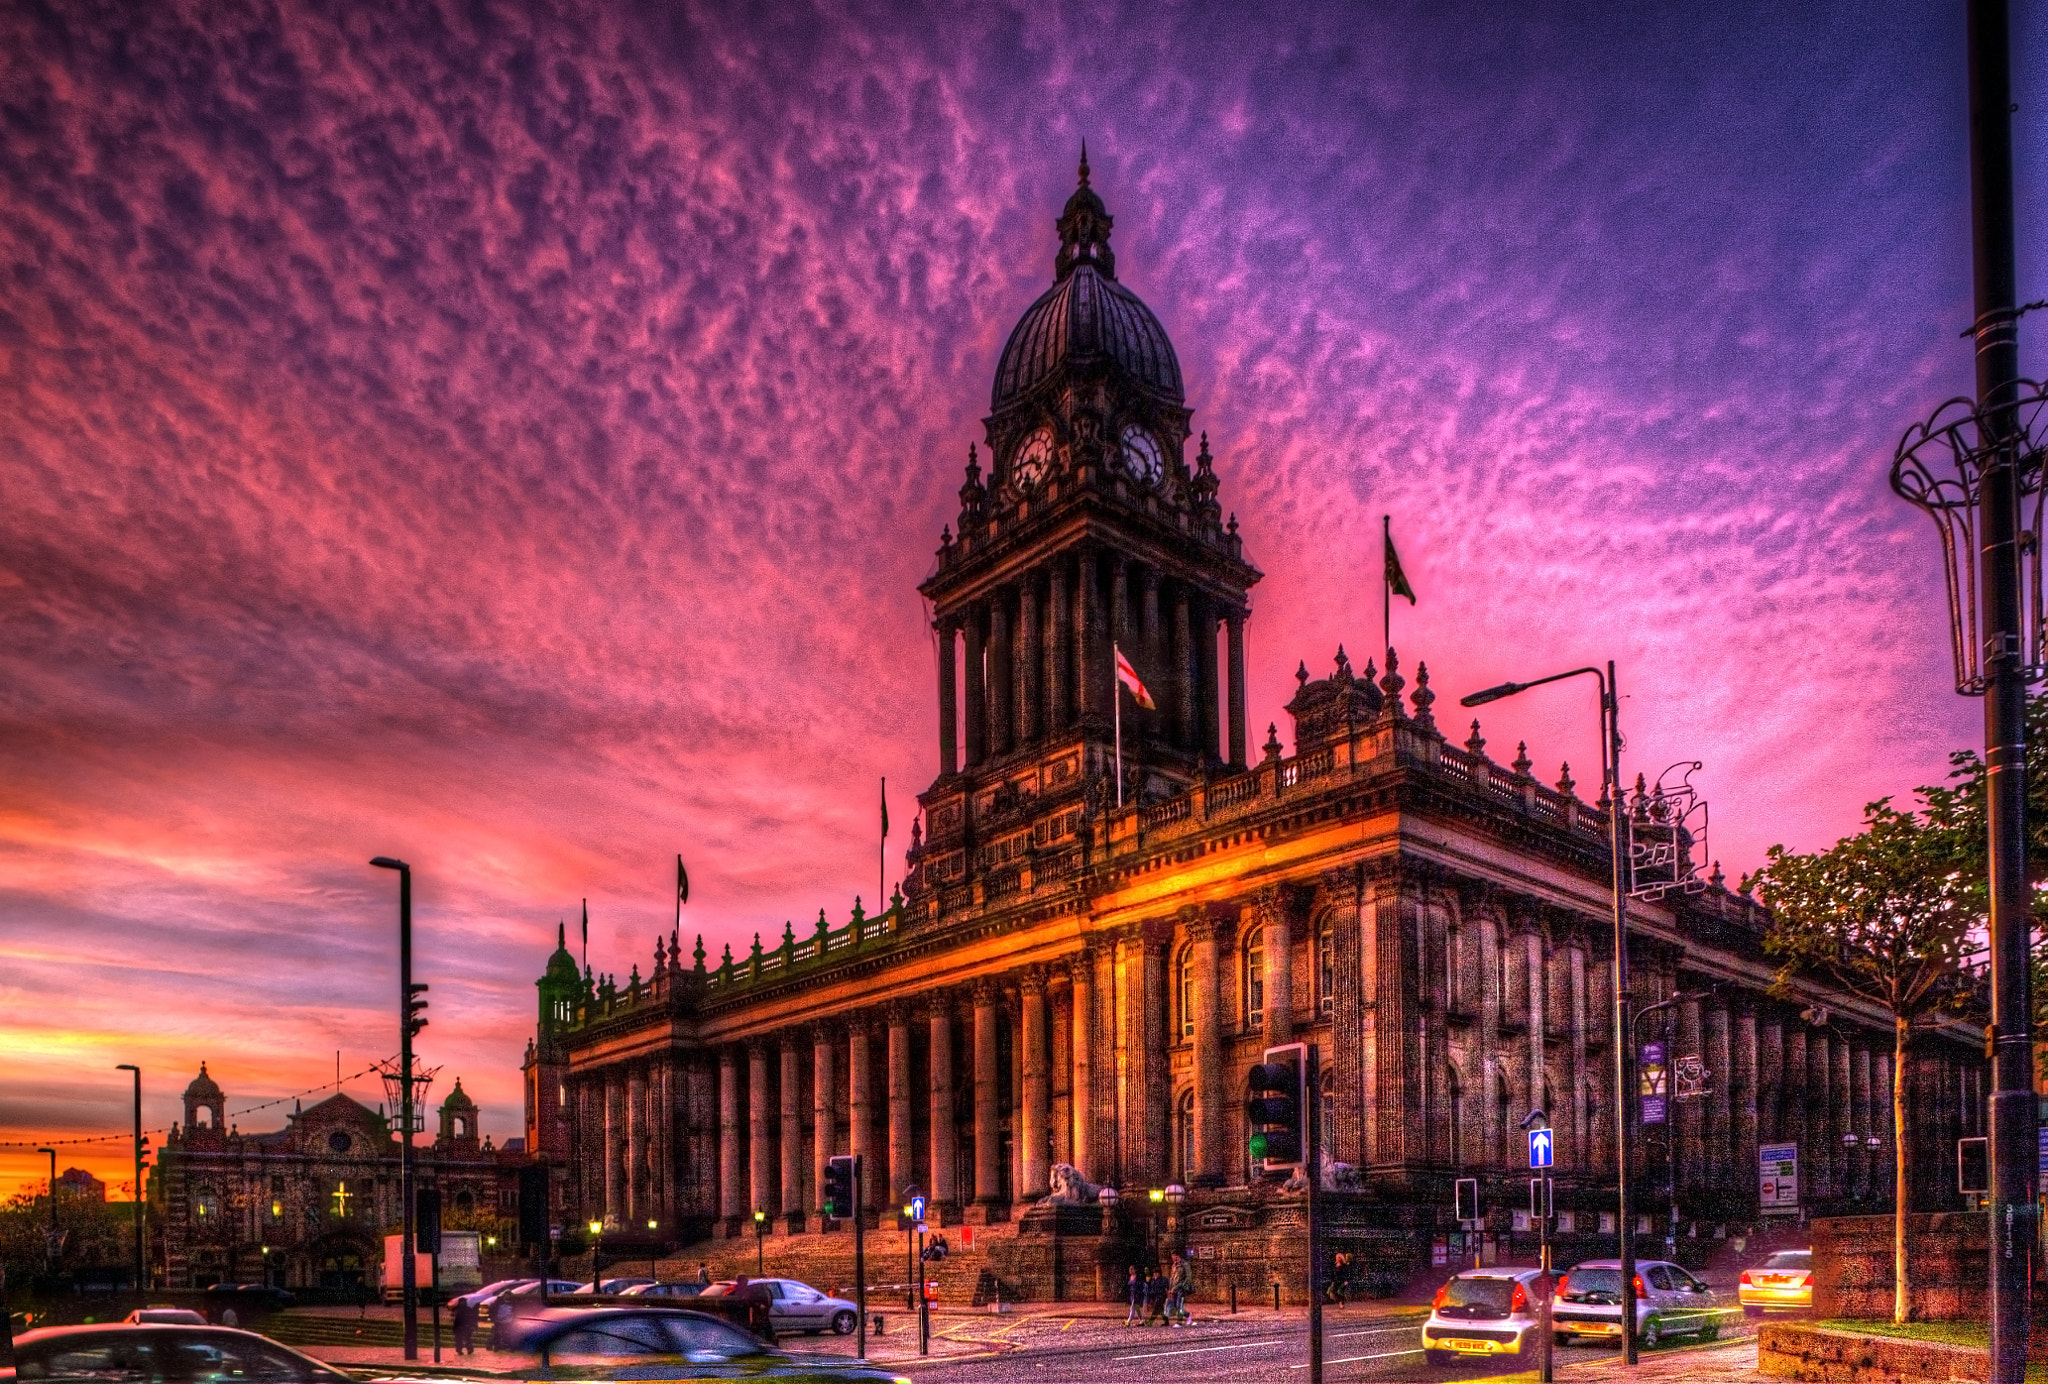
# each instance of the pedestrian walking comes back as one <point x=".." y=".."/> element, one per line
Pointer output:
<point x="703" y="1274"/>
<point x="1178" y="1285"/>
<point x="1155" y="1296"/>
<point x="465" y="1325"/>
<point x="1134" y="1293"/>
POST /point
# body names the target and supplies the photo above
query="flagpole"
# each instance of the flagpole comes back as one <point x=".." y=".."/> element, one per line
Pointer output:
<point x="1116" y="690"/>
<point x="882" y="851"/>
<point x="1386" y="587"/>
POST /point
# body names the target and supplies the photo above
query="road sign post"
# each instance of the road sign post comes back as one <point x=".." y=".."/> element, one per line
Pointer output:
<point x="1542" y="1154"/>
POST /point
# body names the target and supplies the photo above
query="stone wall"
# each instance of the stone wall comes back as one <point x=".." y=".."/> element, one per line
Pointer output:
<point x="1947" y="1262"/>
<point x="1787" y="1351"/>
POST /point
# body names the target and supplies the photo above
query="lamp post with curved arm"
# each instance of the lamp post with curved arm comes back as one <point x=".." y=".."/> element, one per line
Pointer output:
<point x="1610" y="767"/>
<point x="141" y="1288"/>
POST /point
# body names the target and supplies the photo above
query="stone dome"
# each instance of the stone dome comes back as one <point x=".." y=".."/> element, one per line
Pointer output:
<point x="1087" y="317"/>
<point x="202" y="1087"/>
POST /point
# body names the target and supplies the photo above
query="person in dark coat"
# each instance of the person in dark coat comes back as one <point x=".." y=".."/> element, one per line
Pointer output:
<point x="465" y="1325"/>
<point x="1155" y="1296"/>
<point x="1134" y="1293"/>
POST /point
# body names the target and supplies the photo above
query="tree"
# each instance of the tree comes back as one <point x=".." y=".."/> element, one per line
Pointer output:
<point x="1888" y="915"/>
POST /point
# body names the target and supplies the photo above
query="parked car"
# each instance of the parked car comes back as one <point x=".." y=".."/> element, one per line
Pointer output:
<point x="611" y="1285"/>
<point x="1783" y="1280"/>
<point x="240" y="1304"/>
<point x="1483" y="1312"/>
<point x="482" y="1298"/>
<point x="164" y="1316"/>
<point x="670" y="1342"/>
<point x="665" y="1290"/>
<point x="795" y="1306"/>
<point x="1668" y="1302"/>
<point x="148" y="1353"/>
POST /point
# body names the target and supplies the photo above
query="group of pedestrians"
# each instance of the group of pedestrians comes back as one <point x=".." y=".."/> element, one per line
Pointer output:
<point x="1160" y="1297"/>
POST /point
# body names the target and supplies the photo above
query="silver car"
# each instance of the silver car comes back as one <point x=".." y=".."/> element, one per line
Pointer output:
<point x="795" y="1306"/>
<point x="1483" y="1312"/>
<point x="1669" y="1302"/>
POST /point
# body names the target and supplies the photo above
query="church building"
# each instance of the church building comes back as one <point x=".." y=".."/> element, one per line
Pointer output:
<point x="1089" y="952"/>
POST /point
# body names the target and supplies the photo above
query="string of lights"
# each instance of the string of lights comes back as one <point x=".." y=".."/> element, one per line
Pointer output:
<point x="32" y="1145"/>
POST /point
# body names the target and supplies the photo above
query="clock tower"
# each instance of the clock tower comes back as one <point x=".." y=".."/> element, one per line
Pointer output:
<point x="1090" y="532"/>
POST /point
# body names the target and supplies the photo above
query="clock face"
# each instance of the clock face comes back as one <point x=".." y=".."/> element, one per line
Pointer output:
<point x="1033" y="460"/>
<point x="1141" y="455"/>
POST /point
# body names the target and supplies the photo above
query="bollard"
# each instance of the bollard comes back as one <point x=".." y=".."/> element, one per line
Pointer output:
<point x="881" y="1323"/>
<point x="1233" y="1297"/>
<point x="1276" y="1295"/>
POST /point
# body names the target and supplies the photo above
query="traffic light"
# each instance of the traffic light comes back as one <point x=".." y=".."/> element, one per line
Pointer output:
<point x="839" y="1186"/>
<point x="533" y="1206"/>
<point x="426" y="1220"/>
<point x="1465" y="1195"/>
<point x="413" y="1007"/>
<point x="1276" y="1108"/>
<point x="1542" y="1196"/>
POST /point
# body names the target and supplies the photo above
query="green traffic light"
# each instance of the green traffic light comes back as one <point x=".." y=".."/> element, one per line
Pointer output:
<point x="1258" y="1146"/>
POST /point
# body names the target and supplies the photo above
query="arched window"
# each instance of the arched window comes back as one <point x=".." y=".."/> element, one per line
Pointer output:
<point x="1255" y="980"/>
<point x="1184" y="991"/>
<point x="1326" y="967"/>
<point x="1454" y="997"/>
<point x="465" y="1202"/>
<point x="1184" y="1136"/>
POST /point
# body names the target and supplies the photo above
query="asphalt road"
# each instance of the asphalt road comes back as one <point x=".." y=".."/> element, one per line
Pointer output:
<point x="1359" y="1344"/>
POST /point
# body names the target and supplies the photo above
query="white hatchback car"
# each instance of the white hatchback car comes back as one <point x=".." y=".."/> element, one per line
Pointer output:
<point x="1483" y="1312"/>
<point x="1669" y="1302"/>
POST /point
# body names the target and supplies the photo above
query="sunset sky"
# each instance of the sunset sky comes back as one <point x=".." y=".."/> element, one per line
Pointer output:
<point x="510" y="438"/>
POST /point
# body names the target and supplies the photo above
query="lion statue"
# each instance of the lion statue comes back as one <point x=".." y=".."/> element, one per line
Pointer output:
<point x="1069" y="1188"/>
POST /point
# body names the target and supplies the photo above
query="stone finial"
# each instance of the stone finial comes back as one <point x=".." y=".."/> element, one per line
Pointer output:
<point x="1423" y="698"/>
<point x="699" y="953"/>
<point x="822" y="928"/>
<point x="1301" y="674"/>
<point x="1232" y="525"/>
<point x="1272" y="745"/>
<point x="1717" y="879"/>
<point x="1343" y="673"/>
<point x="1392" y="683"/>
<point x="1475" y="743"/>
<point x="1564" y="779"/>
<point x="1641" y="809"/>
<point x="660" y="958"/>
<point x="859" y="916"/>
<point x="757" y="949"/>
<point x="633" y="982"/>
<point x="1522" y="761"/>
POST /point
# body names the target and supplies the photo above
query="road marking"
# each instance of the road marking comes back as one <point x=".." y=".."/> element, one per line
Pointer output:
<point x="1354" y="1359"/>
<point x="1198" y="1350"/>
<point x="1379" y="1331"/>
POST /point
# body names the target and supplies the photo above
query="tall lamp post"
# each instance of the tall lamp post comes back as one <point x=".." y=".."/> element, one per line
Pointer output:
<point x="54" y="1236"/>
<point x="409" y="1023"/>
<point x="141" y="1288"/>
<point x="1610" y="767"/>
<point x="1975" y="466"/>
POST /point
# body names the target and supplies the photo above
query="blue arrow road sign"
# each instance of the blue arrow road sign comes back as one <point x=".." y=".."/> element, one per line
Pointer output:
<point x="1539" y="1148"/>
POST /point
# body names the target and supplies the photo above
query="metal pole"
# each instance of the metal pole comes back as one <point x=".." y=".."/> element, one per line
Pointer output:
<point x="924" y="1308"/>
<point x="2013" y="1111"/>
<point x="141" y="1288"/>
<point x="50" y="1240"/>
<point x="1312" y="1163"/>
<point x="1543" y="1321"/>
<point x="1610" y="696"/>
<point x="409" y="1270"/>
<point x="860" y="1261"/>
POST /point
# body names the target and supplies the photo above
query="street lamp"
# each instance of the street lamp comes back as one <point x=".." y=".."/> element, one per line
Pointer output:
<point x="408" y="1025"/>
<point x="55" y="1237"/>
<point x="760" y="1230"/>
<point x="1975" y="467"/>
<point x="1610" y="765"/>
<point x="141" y="1289"/>
<point x="596" y="1229"/>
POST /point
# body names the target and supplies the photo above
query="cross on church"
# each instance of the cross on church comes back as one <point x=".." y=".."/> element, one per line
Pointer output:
<point x="341" y="1197"/>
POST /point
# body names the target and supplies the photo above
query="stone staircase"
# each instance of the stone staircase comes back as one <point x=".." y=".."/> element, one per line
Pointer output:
<point x="825" y="1262"/>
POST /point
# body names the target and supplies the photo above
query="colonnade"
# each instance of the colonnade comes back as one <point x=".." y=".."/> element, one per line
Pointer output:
<point x="1038" y="658"/>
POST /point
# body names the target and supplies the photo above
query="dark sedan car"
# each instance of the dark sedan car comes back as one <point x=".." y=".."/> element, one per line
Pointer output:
<point x="672" y="1343"/>
<point x="152" y="1354"/>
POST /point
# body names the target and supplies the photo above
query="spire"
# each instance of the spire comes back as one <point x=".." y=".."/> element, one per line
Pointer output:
<point x="1084" y="163"/>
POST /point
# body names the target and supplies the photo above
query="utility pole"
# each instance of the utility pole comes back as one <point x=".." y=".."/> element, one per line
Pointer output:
<point x="141" y="1287"/>
<point x="408" y="1025"/>
<point x="1312" y="1164"/>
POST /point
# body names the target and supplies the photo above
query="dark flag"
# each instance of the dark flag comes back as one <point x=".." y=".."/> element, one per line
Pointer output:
<point x="885" y="809"/>
<point x="682" y="889"/>
<point x="1397" y="580"/>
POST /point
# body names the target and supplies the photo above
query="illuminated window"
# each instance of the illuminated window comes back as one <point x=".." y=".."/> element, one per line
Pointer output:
<point x="342" y="1197"/>
<point x="1255" y="981"/>
<point x="206" y="1204"/>
<point x="277" y="1210"/>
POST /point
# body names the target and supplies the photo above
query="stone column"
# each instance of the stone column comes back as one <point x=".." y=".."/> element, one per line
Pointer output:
<point x="1582" y="1131"/>
<point x="1034" y="1171"/>
<point x="1181" y="687"/>
<point x="976" y="719"/>
<point x="1746" y="1100"/>
<point x="615" y="1164"/>
<point x="1770" y="1080"/>
<point x="1059" y="649"/>
<point x="791" y="1132"/>
<point x="1028" y="659"/>
<point x="860" y="1109"/>
<point x="1148" y="619"/>
<point x="1212" y="1165"/>
<point x="635" y="1189"/>
<point x="1087" y="662"/>
<point x="1689" y="1115"/>
<point x="760" y="1131"/>
<point x="1120" y="603"/>
<point x="1237" y="691"/>
<point x="988" y="1110"/>
<point x="1273" y="915"/>
<point x="731" y="1181"/>
<point x="949" y="715"/>
<point x="1539" y="995"/>
<point x="899" y="1102"/>
<point x="1207" y="704"/>
<point x="1081" y="975"/>
<point x="824" y="1108"/>
<point x="1838" y="1083"/>
<point x="1820" y="1108"/>
<point x="945" y="1190"/>
<point x="1720" y="1160"/>
<point x="1861" y="1122"/>
<point x="1002" y="671"/>
<point x="1795" y="1096"/>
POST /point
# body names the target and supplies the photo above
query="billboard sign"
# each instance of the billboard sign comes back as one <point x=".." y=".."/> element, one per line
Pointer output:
<point x="1653" y="1081"/>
